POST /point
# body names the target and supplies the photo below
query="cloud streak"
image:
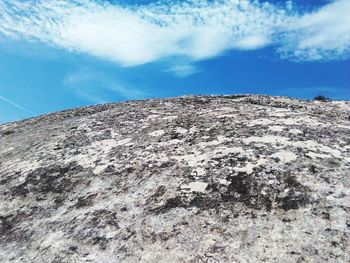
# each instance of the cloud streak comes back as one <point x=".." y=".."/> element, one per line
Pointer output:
<point x="190" y="31"/>
<point x="96" y="86"/>
<point x="15" y="104"/>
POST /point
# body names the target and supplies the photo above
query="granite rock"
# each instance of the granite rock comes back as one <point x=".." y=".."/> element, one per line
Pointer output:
<point x="238" y="178"/>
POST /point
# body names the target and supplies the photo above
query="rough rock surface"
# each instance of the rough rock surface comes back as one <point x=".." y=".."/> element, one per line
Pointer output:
<point x="189" y="179"/>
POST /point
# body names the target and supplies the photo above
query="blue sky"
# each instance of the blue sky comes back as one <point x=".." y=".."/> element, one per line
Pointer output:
<point x="56" y="54"/>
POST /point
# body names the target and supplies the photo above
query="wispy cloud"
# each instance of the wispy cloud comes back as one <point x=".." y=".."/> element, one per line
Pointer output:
<point x="95" y="86"/>
<point x="15" y="104"/>
<point x="320" y="35"/>
<point x="182" y="70"/>
<point x="192" y="30"/>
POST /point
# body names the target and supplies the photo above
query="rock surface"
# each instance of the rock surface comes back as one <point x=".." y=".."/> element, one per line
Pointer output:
<point x="189" y="179"/>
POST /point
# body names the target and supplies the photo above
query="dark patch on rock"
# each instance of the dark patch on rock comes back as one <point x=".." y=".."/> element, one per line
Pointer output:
<point x="85" y="201"/>
<point x="171" y="203"/>
<point x="256" y="193"/>
<point x="251" y="190"/>
<point x="7" y="132"/>
<point x="296" y="196"/>
<point x="103" y="218"/>
<point x="101" y="241"/>
<point x="234" y="97"/>
<point x="78" y="139"/>
<point x="5" y="225"/>
<point x="52" y="179"/>
<point x="322" y="98"/>
<point x="313" y="169"/>
<point x="10" y="230"/>
<point x="73" y="248"/>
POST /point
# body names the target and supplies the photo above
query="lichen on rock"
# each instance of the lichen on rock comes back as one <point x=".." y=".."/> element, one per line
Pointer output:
<point x="241" y="178"/>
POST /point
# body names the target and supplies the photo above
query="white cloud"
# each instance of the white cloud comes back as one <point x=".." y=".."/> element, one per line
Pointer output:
<point x="95" y="86"/>
<point x="182" y="70"/>
<point x="320" y="35"/>
<point x="191" y="31"/>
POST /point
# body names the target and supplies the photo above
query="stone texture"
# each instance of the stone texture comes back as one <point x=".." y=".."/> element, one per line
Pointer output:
<point x="190" y="179"/>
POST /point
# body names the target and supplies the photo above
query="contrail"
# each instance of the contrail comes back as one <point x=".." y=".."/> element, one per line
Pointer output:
<point x="15" y="104"/>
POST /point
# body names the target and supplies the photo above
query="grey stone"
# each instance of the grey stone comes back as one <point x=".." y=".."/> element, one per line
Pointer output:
<point x="191" y="179"/>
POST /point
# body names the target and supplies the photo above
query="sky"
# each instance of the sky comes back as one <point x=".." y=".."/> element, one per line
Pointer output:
<point x="62" y="54"/>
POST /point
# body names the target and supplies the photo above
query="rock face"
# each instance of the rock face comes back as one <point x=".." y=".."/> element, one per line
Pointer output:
<point x="190" y="179"/>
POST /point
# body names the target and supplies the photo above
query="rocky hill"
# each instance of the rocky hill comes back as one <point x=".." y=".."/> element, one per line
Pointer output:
<point x="190" y="179"/>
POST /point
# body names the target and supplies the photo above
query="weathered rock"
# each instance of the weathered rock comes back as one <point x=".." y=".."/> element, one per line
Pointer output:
<point x="190" y="179"/>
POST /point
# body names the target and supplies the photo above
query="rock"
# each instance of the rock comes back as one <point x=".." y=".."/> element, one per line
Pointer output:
<point x="191" y="179"/>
